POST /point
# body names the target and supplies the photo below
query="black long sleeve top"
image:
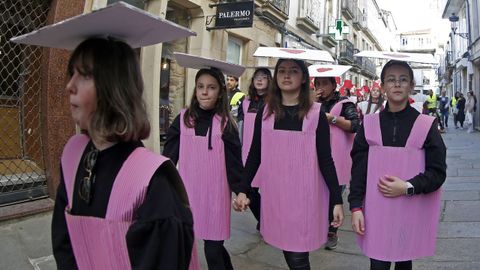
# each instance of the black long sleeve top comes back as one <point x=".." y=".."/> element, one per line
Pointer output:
<point x="231" y="141"/>
<point x="162" y="222"/>
<point x="292" y="122"/>
<point x="396" y="128"/>
<point x="256" y="103"/>
<point x="349" y="110"/>
<point x="461" y="105"/>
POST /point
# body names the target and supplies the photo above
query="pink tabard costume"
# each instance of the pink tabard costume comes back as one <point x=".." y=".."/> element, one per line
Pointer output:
<point x="401" y="228"/>
<point x="294" y="210"/>
<point x="99" y="243"/>
<point x="205" y="177"/>
<point x="341" y="143"/>
<point x="248" y="125"/>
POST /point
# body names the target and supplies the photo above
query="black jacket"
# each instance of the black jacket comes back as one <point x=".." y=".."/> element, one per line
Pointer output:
<point x="349" y="110"/>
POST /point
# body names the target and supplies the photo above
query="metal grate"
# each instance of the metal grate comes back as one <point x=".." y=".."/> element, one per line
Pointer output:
<point x="22" y="166"/>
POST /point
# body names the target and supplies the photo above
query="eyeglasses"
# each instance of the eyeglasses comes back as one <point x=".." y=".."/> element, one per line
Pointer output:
<point x="86" y="183"/>
<point x="393" y="81"/>
<point x="260" y="77"/>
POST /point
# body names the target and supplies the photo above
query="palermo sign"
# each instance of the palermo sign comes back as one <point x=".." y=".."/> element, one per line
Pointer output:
<point x="234" y="15"/>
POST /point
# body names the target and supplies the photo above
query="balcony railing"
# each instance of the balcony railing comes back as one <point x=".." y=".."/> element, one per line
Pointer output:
<point x="359" y="20"/>
<point x="346" y="52"/>
<point x="281" y="5"/>
<point x="368" y="67"/>
<point x="275" y="10"/>
<point x="357" y="61"/>
<point x="348" y="8"/>
<point x="449" y="58"/>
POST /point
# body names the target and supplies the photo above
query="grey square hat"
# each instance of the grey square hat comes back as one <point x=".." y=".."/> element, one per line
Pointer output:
<point x="291" y="53"/>
<point x="122" y="21"/>
<point x="424" y="58"/>
<point x="199" y="62"/>
<point x="327" y="70"/>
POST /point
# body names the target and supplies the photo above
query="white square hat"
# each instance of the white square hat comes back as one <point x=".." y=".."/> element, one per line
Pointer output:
<point x="122" y="21"/>
<point x="290" y="53"/>
<point x="327" y="70"/>
<point x="400" y="56"/>
<point x="199" y="62"/>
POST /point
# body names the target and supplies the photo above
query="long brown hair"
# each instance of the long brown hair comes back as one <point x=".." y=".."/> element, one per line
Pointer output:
<point x="120" y="113"/>
<point x="221" y="106"/>
<point x="252" y="91"/>
<point x="274" y="99"/>
<point x="379" y="102"/>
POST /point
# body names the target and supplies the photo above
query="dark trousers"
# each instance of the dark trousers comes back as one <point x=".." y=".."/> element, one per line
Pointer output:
<point x="444" y="114"/>
<point x="297" y="260"/>
<point x="217" y="256"/>
<point x="381" y="265"/>
<point x="255" y="198"/>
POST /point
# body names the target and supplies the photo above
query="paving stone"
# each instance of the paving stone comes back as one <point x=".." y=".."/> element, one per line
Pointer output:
<point x="462" y="211"/>
<point x="453" y="195"/>
<point x="459" y="230"/>
<point x="469" y="172"/>
<point x="461" y="186"/>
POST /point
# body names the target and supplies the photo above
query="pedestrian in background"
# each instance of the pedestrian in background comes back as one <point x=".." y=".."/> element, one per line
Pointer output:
<point x="203" y="139"/>
<point x="461" y="110"/>
<point x="398" y="167"/>
<point x="109" y="181"/>
<point x="470" y="108"/>
<point x="291" y="161"/>
<point x="235" y="96"/>
<point x="453" y="105"/>
<point x="444" y="107"/>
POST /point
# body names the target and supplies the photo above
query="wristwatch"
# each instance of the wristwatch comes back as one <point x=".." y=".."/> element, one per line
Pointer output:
<point x="410" y="189"/>
<point x="334" y="120"/>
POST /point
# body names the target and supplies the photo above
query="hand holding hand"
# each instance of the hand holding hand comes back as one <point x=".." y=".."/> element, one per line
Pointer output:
<point x="392" y="186"/>
<point x="241" y="202"/>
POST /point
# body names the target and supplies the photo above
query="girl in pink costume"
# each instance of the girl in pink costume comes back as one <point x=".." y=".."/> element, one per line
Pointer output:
<point x="204" y="140"/>
<point x="398" y="168"/>
<point x="118" y="206"/>
<point x="291" y="161"/>
<point x="257" y="91"/>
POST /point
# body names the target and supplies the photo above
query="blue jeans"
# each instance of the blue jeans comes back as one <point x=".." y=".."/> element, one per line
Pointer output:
<point x="444" y="117"/>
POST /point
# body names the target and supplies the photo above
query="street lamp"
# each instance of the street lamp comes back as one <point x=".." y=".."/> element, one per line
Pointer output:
<point x="453" y="24"/>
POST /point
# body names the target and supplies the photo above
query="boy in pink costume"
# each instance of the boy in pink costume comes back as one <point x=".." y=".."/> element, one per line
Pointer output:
<point x="343" y="119"/>
<point x="398" y="167"/>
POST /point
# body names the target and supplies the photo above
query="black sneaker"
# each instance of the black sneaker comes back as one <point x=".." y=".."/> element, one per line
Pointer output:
<point x="331" y="241"/>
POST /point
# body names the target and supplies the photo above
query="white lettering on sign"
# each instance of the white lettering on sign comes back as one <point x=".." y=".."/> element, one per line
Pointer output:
<point x="234" y="14"/>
